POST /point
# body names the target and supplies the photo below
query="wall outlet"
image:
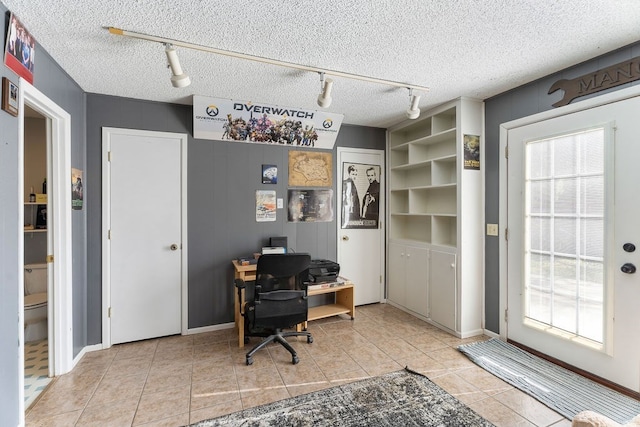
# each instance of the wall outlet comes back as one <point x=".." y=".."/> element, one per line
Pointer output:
<point x="492" y="229"/>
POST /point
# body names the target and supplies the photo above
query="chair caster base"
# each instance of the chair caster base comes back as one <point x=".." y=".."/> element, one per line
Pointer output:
<point x="295" y="360"/>
<point x="249" y="361"/>
<point x="309" y="339"/>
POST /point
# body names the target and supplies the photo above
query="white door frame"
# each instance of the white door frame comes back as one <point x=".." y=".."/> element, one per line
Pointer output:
<point x="107" y="132"/>
<point x="381" y="216"/>
<point x="59" y="300"/>
<point x="608" y="98"/>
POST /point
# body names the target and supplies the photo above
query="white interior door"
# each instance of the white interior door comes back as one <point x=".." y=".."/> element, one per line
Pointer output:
<point x="144" y="235"/>
<point x="361" y="241"/>
<point x="572" y="207"/>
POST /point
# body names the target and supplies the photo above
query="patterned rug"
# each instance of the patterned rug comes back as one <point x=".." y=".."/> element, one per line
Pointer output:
<point x="403" y="398"/>
<point x="560" y="389"/>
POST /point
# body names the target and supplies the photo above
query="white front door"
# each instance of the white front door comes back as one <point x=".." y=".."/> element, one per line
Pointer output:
<point x="143" y="215"/>
<point x="360" y="226"/>
<point x="573" y="213"/>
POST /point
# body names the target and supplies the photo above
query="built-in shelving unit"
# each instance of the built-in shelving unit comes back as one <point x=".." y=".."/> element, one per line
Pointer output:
<point x="435" y="205"/>
<point x="423" y="179"/>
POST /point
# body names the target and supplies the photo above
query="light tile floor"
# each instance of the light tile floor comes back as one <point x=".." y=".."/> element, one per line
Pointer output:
<point x="36" y="370"/>
<point x="179" y="380"/>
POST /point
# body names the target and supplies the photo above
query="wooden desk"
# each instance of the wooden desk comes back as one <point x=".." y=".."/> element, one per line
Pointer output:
<point x="345" y="303"/>
<point x="246" y="273"/>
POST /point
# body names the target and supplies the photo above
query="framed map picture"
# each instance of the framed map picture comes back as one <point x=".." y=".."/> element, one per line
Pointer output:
<point x="310" y="169"/>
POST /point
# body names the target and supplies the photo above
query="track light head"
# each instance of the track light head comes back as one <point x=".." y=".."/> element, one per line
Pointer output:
<point x="324" y="99"/>
<point x="178" y="78"/>
<point x="413" y="112"/>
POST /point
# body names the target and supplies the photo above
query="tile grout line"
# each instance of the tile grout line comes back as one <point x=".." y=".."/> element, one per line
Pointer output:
<point x="95" y="389"/>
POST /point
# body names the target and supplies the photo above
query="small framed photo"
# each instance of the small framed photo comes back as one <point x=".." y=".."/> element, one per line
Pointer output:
<point x="269" y="174"/>
<point x="9" y="97"/>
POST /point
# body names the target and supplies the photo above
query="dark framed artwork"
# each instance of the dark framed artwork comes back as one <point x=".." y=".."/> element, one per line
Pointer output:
<point x="9" y="97"/>
<point x="269" y="174"/>
<point x="360" y="195"/>
<point x="310" y="205"/>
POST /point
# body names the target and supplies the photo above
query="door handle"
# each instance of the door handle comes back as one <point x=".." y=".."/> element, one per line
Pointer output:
<point x="174" y="247"/>
<point x="628" y="268"/>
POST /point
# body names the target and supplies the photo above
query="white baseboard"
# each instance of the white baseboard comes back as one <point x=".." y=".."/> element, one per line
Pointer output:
<point x="491" y="334"/>
<point x="211" y="328"/>
<point x="469" y="334"/>
<point x="82" y="352"/>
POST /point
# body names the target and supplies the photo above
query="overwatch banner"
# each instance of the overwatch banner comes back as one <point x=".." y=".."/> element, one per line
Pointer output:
<point x="226" y="119"/>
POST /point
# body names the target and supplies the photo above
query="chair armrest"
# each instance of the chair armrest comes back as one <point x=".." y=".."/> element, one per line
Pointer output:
<point x="240" y="284"/>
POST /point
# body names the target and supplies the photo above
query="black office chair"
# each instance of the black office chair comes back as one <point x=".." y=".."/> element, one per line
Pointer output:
<point x="277" y="301"/>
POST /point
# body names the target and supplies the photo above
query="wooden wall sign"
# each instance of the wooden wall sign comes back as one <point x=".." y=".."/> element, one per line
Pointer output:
<point x="619" y="74"/>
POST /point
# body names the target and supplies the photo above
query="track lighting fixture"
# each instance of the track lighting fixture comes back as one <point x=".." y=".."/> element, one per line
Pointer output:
<point x="178" y="78"/>
<point x="413" y="112"/>
<point x="324" y="99"/>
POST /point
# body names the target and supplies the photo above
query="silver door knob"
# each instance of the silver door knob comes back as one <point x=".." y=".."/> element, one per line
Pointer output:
<point x="345" y="238"/>
<point x="174" y="247"/>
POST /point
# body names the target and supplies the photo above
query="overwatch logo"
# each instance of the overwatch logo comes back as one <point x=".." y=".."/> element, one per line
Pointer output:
<point x="327" y="123"/>
<point x="212" y="110"/>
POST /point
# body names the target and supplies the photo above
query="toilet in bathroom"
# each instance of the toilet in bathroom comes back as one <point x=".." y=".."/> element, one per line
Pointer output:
<point x="35" y="302"/>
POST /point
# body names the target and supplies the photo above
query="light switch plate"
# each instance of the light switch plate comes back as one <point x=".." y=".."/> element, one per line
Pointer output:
<point x="280" y="203"/>
<point x="492" y="229"/>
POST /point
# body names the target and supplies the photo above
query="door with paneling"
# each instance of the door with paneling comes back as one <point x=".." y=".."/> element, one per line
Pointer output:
<point x="442" y="286"/>
<point x="573" y="209"/>
<point x="143" y="226"/>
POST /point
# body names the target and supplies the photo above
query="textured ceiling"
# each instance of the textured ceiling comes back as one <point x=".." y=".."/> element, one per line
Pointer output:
<point x="475" y="48"/>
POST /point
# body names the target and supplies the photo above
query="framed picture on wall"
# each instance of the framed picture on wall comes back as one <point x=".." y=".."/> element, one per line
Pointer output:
<point x="77" y="189"/>
<point x="310" y="205"/>
<point x="20" y="49"/>
<point x="9" y="97"/>
<point x="269" y="174"/>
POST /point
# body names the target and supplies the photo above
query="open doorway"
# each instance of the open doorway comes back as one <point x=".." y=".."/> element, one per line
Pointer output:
<point x="36" y="235"/>
<point x="58" y="230"/>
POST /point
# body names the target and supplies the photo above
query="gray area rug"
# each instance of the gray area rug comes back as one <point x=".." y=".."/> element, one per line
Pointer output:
<point x="560" y="389"/>
<point x="403" y="398"/>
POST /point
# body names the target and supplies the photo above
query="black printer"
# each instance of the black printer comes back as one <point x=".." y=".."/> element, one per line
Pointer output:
<point x="323" y="270"/>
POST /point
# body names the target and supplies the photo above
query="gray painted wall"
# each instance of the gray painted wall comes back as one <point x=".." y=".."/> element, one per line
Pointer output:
<point x="521" y="102"/>
<point x="53" y="82"/>
<point x="222" y="180"/>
